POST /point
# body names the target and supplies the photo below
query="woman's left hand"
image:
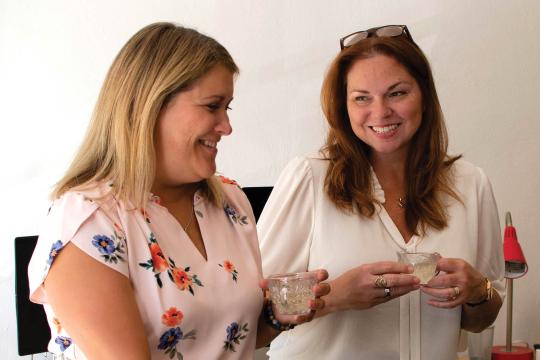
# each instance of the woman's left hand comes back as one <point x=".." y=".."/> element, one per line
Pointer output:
<point x="457" y="283"/>
<point x="319" y="289"/>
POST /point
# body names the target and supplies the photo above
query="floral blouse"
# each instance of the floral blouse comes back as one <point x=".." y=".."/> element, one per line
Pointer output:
<point x="174" y="286"/>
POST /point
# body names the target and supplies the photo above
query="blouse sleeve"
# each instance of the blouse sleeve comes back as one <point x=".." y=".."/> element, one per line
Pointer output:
<point x="490" y="258"/>
<point x="285" y="227"/>
<point x="77" y="219"/>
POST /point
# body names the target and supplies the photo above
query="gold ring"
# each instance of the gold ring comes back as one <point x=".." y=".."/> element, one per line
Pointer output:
<point x="380" y="282"/>
<point x="456" y="292"/>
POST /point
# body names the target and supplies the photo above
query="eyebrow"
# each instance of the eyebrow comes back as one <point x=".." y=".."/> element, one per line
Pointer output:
<point x="392" y="87"/>
<point x="217" y="97"/>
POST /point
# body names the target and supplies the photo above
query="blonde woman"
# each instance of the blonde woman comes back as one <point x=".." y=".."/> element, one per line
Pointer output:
<point x="145" y="253"/>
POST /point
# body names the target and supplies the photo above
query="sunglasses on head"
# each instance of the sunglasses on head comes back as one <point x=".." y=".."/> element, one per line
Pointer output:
<point x="381" y="31"/>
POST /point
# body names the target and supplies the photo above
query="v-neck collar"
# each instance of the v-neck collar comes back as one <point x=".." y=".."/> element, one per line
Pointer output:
<point x="378" y="194"/>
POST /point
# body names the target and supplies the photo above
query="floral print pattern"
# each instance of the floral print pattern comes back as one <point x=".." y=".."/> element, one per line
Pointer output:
<point x="234" y="217"/>
<point x="110" y="248"/>
<point x="170" y="338"/>
<point x="235" y="333"/>
<point x="182" y="279"/>
<point x="157" y="263"/>
<point x="226" y="180"/>
<point x="55" y="250"/>
<point x="229" y="267"/>
<point x="64" y="342"/>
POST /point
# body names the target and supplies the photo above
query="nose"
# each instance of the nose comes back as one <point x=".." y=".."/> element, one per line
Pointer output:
<point x="223" y="126"/>
<point x="380" y="109"/>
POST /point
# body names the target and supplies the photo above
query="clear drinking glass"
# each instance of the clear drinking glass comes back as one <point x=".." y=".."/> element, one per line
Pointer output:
<point x="424" y="264"/>
<point x="290" y="293"/>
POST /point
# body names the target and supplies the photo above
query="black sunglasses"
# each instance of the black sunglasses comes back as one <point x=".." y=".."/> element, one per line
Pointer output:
<point x="381" y="31"/>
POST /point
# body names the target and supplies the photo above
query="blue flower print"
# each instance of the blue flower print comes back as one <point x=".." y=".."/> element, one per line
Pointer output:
<point x="235" y="333"/>
<point x="170" y="338"/>
<point x="104" y="244"/>
<point x="55" y="249"/>
<point x="233" y="216"/>
<point x="232" y="331"/>
<point x="64" y="342"/>
<point x="109" y="248"/>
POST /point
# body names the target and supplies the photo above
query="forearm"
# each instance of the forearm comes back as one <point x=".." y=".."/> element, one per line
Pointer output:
<point x="265" y="333"/>
<point x="477" y="318"/>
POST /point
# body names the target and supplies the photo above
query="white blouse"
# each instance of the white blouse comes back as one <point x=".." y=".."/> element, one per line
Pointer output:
<point x="300" y="229"/>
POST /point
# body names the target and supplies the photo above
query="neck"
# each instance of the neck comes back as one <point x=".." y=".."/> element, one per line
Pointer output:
<point x="390" y="171"/>
<point x="171" y="195"/>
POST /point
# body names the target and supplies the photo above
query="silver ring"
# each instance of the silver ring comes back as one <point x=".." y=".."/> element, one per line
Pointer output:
<point x="387" y="292"/>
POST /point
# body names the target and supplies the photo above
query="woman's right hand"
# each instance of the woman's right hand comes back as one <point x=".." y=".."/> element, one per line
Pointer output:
<point x="369" y="285"/>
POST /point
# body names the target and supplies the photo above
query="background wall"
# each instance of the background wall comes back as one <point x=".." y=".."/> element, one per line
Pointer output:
<point x="485" y="56"/>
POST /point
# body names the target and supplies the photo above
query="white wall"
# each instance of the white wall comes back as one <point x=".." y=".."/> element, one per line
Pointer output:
<point x="485" y="56"/>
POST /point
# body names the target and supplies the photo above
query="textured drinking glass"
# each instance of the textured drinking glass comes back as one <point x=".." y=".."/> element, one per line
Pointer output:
<point x="480" y="344"/>
<point x="424" y="264"/>
<point x="290" y="293"/>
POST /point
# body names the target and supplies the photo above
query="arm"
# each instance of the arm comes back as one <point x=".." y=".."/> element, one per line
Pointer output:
<point x="355" y="289"/>
<point x="266" y="333"/>
<point x="470" y="280"/>
<point x="96" y="305"/>
<point x="286" y="230"/>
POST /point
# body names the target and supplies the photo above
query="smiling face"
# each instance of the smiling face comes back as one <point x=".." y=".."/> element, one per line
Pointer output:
<point x="190" y="127"/>
<point x="384" y="103"/>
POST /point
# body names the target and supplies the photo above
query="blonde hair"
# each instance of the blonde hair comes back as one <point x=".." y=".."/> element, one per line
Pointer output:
<point x="158" y="62"/>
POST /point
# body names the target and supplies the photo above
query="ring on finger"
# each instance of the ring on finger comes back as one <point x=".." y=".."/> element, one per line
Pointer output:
<point x="380" y="282"/>
<point x="455" y="295"/>
<point x="387" y="292"/>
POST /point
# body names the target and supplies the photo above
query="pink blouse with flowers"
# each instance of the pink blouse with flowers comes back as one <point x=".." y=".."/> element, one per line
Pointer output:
<point x="192" y="308"/>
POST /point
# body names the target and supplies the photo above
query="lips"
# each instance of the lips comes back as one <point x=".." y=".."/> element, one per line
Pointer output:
<point x="208" y="143"/>
<point x="384" y="129"/>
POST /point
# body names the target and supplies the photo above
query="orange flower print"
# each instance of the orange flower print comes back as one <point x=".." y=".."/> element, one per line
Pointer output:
<point x="57" y="325"/>
<point x="226" y="180"/>
<point x="229" y="267"/>
<point x="181" y="279"/>
<point x="172" y="317"/>
<point x="158" y="260"/>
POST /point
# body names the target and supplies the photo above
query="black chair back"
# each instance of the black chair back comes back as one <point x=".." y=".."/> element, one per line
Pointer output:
<point x="257" y="196"/>
<point x="33" y="333"/>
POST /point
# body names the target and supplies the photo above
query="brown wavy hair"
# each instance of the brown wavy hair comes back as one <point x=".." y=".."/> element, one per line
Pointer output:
<point x="428" y="175"/>
<point x="158" y="62"/>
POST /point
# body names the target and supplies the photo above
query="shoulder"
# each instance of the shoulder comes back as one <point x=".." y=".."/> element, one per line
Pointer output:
<point x="469" y="177"/>
<point x="308" y="165"/>
<point x="463" y="169"/>
<point x="232" y="192"/>
<point x="74" y="207"/>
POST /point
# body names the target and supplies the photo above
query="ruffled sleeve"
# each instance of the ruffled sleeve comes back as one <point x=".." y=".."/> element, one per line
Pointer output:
<point x="285" y="227"/>
<point x="78" y="219"/>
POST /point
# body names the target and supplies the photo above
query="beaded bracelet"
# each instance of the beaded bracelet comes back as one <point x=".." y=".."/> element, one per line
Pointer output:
<point x="272" y="321"/>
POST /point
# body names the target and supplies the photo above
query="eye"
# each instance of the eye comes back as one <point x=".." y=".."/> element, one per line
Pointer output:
<point x="361" y="98"/>
<point x="212" y="107"/>
<point x="397" y="93"/>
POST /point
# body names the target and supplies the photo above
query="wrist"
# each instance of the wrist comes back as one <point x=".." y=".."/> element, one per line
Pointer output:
<point x="487" y="294"/>
<point x="270" y="318"/>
